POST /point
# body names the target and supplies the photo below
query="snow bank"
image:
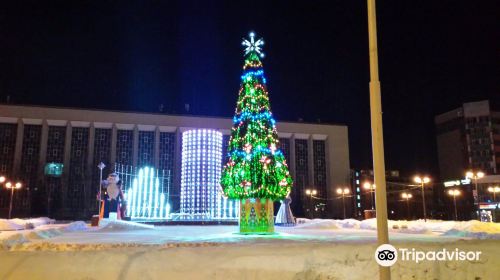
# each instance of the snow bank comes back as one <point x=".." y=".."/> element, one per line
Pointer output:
<point x="9" y="225"/>
<point x="327" y="223"/>
<point x="120" y="225"/>
<point x="76" y="226"/>
<point x="42" y="234"/>
<point x="474" y="229"/>
<point x="349" y="223"/>
<point x="244" y="260"/>
<point x="18" y="224"/>
<point x="318" y="224"/>
<point x="43" y="231"/>
<point x="11" y="240"/>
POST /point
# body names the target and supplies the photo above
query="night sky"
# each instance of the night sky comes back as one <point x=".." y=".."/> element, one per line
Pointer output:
<point x="135" y="55"/>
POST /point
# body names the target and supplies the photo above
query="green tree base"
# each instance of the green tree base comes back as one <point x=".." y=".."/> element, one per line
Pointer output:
<point x="256" y="216"/>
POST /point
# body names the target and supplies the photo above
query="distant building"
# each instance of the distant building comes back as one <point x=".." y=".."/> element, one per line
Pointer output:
<point x="55" y="153"/>
<point x="468" y="137"/>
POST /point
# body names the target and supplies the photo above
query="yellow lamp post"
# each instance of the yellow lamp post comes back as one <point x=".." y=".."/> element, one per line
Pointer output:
<point x="494" y="190"/>
<point x="422" y="182"/>
<point x="474" y="175"/>
<point x="377" y="136"/>
<point x="343" y="193"/>
<point x="454" y="193"/>
<point x="311" y="193"/>
<point x="12" y="187"/>
<point x="407" y="196"/>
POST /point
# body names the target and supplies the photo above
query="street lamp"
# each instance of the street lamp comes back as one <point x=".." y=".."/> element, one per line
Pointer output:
<point x="407" y="196"/>
<point x="101" y="166"/>
<point x="343" y="192"/>
<point x="311" y="193"/>
<point x="474" y="176"/>
<point x="494" y="190"/>
<point x="9" y="185"/>
<point x="2" y="179"/>
<point x="371" y="188"/>
<point x="454" y="193"/>
<point x="422" y="182"/>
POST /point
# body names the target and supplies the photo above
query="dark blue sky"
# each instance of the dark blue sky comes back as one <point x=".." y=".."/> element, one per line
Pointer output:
<point x="135" y="55"/>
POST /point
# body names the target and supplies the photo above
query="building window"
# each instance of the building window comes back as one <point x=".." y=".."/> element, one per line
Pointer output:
<point x="124" y="147"/>
<point x="146" y="148"/>
<point x="8" y="142"/>
<point x="29" y="160"/>
<point x="55" y="144"/>
<point x="301" y="175"/>
<point x="166" y="161"/>
<point x="75" y="197"/>
<point x="319" y="154"/>
<point x="285" y="148"/>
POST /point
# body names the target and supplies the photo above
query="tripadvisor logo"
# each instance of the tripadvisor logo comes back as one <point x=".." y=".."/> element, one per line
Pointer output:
<point x="387" y="255"/>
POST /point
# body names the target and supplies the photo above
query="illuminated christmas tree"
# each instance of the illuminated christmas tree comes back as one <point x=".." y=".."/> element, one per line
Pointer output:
<point x="256" y="172"/>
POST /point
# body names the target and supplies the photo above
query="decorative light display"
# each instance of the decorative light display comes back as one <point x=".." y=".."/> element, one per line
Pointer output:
<point x="252" y="45"/>
<point x="256" y="168"/>
<point x="256" y="171"/>
<point x="145" y="199"/>
<point x="201" y="195"/>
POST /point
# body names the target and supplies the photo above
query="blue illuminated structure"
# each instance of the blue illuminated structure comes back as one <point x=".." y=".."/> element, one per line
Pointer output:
<point x="201" y="195"/>
<point x="145" y="198"/>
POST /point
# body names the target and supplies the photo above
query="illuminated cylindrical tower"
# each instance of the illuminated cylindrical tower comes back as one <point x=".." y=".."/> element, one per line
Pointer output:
<point x="200" y="175"/>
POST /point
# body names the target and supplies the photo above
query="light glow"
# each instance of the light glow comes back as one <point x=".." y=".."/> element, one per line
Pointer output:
<point x="201" y="195"/>
<point x="406" y="195"/>
<point x="252" y="45"/>
<point x="454" y="192"/>
<point x="423" y="180"/>
<point x="145" y="201"/>
<point x="494" y="189"/>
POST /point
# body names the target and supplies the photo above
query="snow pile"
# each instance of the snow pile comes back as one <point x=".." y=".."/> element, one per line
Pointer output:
<point x="327" y="223"/>
<point x="184" y="253"/>
<point x="9" y="225"/>
<point x="348" y="223"/>
<point x="28" y="236"/>
<point x="120" y="225"/>
<point x="42" y="231"/>
<point x="43" y="234"/>
<point x="318" y="224"/>
<point x="474" y="229"/>
<point x="18" y="224"/>
<point x="397" y="226"/>
<point x="40" y="221"/>
<point x="12" y="240"/>
<point x="76" y="226"/>
<point x="418" y="226"/>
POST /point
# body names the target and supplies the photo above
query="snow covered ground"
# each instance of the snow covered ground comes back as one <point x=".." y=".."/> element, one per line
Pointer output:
<point x="314" y="249"/>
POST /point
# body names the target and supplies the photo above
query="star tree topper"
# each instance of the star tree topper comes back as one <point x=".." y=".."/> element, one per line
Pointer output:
<point x="252" y="45"/>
